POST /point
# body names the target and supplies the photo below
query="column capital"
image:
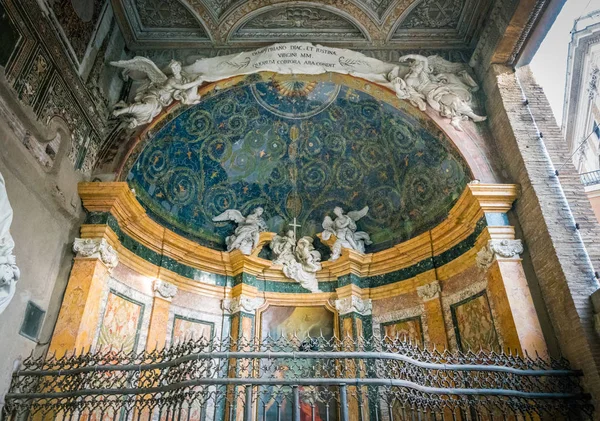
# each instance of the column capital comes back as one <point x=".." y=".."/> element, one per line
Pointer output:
<point x="96" y="248"/>
<point x="354" y="304"/>
<point x="241" y="303"/>
<point x="498" y="248"/>
<point x="164" y="290"/>
<point x="429" y="291"/>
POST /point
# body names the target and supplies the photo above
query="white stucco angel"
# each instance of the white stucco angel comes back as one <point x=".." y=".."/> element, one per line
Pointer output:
<point x="344" y="229"/>
<point x="300" y="260"/>
<point x="246" y="236"/>
<point x="159" y="90"/>
<point x="444" y="86"/>
<point x="9" y="272"/>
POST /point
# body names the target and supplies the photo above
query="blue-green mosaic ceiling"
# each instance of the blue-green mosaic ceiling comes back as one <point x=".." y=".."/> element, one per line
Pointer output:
<point x="297" y="148"/>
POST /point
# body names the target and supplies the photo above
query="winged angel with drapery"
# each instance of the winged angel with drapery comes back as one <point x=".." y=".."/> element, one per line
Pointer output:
<point x="344" y="229"/>
<point x="246" y="236"/>
<point x="157" y="91"/>
<point x="447" y="87"/>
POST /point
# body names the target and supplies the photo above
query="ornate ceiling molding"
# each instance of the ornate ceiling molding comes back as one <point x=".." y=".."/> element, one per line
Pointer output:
<point x="343" y="8"/>
<point x="157" y="22"/>
<point x="303" y="20"/>
<point x="436" y="22"/>
<point x="413" y="25"/>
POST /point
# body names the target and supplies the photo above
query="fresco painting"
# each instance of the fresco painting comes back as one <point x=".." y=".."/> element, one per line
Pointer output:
<point x="474" y="325"/>
<point x="185" y="329"/>
<point x="411" y="329"/>
<point x="120" y="324"/>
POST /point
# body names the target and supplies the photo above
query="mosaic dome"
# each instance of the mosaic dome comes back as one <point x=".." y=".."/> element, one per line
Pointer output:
<point x="298" y="148"/>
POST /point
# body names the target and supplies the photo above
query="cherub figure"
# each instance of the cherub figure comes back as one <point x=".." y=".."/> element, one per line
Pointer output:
<point x="246" y="236"/>
<point x="300" y="260"/>
<point x="158" y="92"/>
<point x="344" y="228"/>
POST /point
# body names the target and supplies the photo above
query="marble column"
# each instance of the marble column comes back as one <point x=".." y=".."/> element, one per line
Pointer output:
<point x="79" y="312"/>
<point x="432" y="302"/>
<point x="157" y="331"/>
<point x="516" y="317"/>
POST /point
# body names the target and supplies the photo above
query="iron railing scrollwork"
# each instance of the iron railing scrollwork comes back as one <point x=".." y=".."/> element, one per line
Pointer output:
<point x="299" y="379"/>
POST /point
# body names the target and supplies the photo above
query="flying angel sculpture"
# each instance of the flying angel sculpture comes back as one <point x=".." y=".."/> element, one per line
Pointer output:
<point x="158" y="90"/>
<point x="246" y="236"/>
<point x="445" y="86"/>
<point x="344" y="229"/>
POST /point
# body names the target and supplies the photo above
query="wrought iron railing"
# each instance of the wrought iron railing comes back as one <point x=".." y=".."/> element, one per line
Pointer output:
<point x="590" y="178"/>
<point x="289" y="378"/>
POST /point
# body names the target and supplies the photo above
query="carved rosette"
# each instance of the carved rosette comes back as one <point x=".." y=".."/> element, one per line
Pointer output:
<point x="96" y="248"/>
<point x="241" y="303"/>
<point x="164" y="289"/>
<point x="429" y="291"/>
<point x="354" y="305"/>
<point x="506" y="249"/>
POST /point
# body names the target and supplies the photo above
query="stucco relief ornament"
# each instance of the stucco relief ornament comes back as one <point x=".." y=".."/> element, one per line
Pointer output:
<point x="9" y="272"/>
<point x="241" y="303"/>
<point x="442" y="85"/>
<point x="96" y="247"/>
<point x="157" y="91"/>
<point x="503" y="248"/>
<point x="164" y="289"/>
<point x="246" y="236"/>
<point x="354" y="304"/>
<point x="344" y="228"/>
<point x="300" y="261"/>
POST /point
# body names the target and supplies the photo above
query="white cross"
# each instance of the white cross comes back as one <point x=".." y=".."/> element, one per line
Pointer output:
<point x="295" y="225"/>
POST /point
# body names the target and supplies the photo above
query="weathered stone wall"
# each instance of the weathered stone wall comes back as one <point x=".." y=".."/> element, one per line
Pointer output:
<point x="46" y="217"/>
<point x="557" y="251"/>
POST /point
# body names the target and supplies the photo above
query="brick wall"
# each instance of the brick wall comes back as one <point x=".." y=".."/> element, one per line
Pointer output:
<point x="558" y="255"/>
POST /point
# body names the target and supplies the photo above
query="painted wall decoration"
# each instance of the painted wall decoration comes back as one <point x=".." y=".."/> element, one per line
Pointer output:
<point x="120" y="323"/>
<point x="10" y="36"/>
<point x="279" y="321"/>
<point x="411" y="329"/>
<point x="298" y="148"/>
<point x="78" y="19"/>
<point x="186" y="329"/>
<point x="474" y="324"/>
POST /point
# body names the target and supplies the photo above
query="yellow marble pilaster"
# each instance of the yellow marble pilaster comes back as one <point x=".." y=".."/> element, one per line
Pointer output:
<point x="516" y="317"/>
<point x="80" y="310"/>
<point x="436" y="327"/>
<point x="159" y="318"/>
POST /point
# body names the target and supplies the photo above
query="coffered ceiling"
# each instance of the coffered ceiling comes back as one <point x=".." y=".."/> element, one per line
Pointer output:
<point x="406" y="24"/>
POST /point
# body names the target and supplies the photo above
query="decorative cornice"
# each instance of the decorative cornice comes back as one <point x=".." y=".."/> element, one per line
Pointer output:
<point x="448" y="238"/>
<point x="96" y="248"/>
<point x="507" y="249"/>
<point x="354" y="304"/>
<point x="164" y="289"/>
<point x="430" y="291"/>
<point x="241" y="303"/>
